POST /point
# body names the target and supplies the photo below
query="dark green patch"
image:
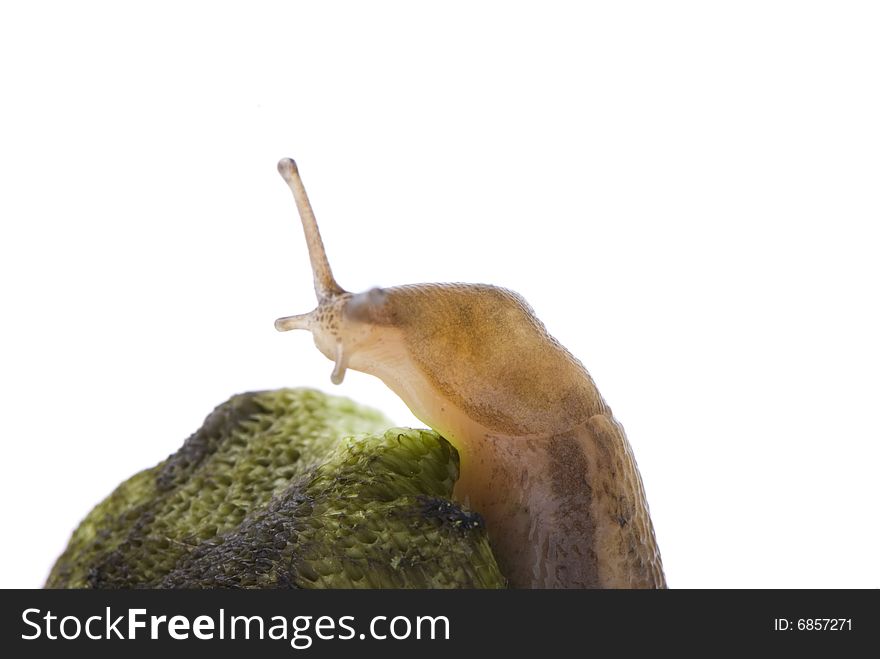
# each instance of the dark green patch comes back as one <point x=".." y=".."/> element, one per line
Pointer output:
<point x="208" y="439"/>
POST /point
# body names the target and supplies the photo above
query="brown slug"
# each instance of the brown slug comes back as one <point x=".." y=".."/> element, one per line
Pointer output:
<point x="542" y="458"/>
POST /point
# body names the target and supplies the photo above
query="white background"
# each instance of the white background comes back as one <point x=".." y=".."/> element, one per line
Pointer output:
<point x="686" y="193"/>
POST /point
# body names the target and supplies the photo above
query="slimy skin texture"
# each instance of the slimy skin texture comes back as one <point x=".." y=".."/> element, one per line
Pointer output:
<point x="542" y="457"/>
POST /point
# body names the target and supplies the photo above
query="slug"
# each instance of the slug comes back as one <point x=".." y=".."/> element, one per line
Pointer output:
<point x="543" y="459"/>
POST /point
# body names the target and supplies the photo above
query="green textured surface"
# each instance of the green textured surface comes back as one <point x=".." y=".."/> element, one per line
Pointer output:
<point x="289" y="488"/>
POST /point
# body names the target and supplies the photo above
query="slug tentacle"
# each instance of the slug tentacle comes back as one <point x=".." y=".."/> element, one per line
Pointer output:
<point x="325" y="284"/>
<point x="340" y="366"/>
<point x="300" y="321"/>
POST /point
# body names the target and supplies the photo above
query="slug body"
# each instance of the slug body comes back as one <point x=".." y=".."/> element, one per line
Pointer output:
<point x="542" y="458"/>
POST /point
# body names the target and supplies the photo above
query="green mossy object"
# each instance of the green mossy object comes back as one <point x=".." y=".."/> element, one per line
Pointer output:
<point x="287" y="489"/>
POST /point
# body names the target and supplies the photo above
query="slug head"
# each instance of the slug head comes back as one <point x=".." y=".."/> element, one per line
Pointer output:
<point x="343" y="323"/>
<point x="457" y="354"/>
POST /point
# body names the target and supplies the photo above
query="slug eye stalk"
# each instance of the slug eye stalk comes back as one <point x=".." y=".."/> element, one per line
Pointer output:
<point x="325" y="284"/>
